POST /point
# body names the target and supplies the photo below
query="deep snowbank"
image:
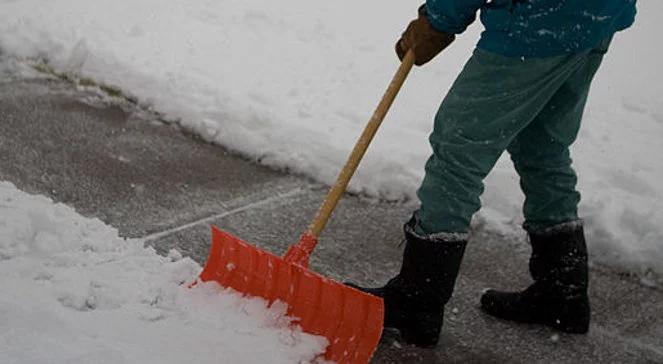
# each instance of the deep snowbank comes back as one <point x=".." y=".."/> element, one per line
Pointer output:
<point x="73" y="292"/>
<point x="292" y="85"/>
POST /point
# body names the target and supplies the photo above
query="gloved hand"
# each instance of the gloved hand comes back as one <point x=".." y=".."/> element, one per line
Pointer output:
<point x="426" y="41"/>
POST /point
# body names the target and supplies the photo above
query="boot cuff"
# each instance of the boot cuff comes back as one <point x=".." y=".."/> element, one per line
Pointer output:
<point x="555" y="229"/>
<point x="442" y="237"/>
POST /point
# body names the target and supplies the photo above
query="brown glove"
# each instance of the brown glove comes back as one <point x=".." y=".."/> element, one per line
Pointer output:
<point x="426" y="41"/>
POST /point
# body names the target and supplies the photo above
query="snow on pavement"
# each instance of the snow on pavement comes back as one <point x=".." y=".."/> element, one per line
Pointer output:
<point x="74" y="292"/>
<point x="293" y="84"/>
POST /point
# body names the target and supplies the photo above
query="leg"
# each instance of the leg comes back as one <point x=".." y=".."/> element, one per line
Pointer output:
<point x="558" y="265"/>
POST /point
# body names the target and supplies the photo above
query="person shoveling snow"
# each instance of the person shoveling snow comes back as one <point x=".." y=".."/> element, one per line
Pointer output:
<point x="524" y="91"/>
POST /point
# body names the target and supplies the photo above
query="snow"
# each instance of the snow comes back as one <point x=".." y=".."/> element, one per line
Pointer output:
<point x="292" y="86"/>
<point x="74" y="292"/>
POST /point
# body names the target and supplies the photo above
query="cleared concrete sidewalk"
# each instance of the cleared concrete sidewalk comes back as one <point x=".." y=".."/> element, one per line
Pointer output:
<point x="152" y="181"/>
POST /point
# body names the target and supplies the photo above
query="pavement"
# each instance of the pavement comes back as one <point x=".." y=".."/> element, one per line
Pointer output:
<point x="151" y="180"/>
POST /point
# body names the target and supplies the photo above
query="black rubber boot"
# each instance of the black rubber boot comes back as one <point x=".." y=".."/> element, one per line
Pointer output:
<point x="414" y="299"/>
<point x="558" y="297"/>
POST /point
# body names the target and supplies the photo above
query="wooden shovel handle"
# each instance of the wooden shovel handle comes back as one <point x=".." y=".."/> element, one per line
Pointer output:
<point x="337" y="190"/>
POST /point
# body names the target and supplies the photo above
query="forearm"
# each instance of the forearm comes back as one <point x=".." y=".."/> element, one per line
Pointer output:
<point x="452" y="16"/>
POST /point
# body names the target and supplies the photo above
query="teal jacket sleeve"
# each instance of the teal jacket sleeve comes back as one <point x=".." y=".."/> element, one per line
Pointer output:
<point x="452" y="16"/>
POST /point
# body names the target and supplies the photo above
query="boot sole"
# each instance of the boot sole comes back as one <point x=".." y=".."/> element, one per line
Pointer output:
<point x="557" y="324"/>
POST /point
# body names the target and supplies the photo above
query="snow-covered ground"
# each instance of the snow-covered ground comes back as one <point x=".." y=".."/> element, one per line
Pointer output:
<point x="74" y="292"/>
<point x="292" y="84"/>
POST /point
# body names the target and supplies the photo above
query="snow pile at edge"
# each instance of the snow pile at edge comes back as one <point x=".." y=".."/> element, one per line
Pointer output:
<point x="74" y="292"/>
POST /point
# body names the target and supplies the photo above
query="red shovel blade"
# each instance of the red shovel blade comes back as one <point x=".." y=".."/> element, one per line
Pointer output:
<point x="351" y="320"/>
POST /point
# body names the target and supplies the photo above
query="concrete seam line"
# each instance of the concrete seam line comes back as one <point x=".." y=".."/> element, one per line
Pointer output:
<point x="250" y="206"/>
<point x="268" y="185"/>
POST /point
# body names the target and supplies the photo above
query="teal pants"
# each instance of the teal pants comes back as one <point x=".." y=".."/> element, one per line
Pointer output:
<point x="530" y="107"/>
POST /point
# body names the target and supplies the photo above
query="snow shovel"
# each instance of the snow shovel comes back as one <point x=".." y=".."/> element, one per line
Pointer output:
<point x="351" y="320"/>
